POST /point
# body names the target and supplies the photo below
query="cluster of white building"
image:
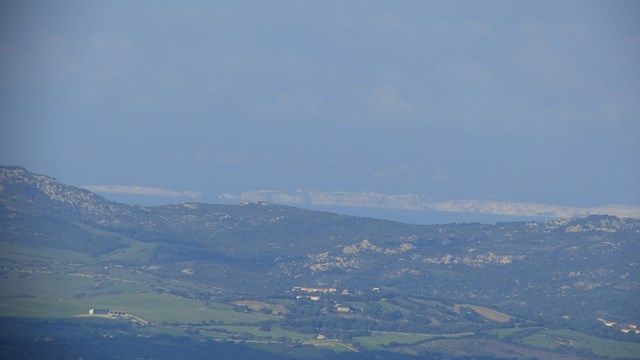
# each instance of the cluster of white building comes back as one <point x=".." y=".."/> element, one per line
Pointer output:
<point x="107" y="312"/>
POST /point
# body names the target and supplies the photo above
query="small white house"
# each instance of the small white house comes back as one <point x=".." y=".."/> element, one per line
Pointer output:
<point x="99" y="312"/>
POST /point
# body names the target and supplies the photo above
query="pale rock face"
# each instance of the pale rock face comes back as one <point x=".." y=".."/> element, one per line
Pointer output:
<point x="420" y="202"/>
<point x="474" y="261"/>
<point x="74" y="198"/>
<point x="366" y="245"/>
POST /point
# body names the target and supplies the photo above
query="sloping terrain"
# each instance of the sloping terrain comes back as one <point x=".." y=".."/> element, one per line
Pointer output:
<point x="561" y="273"/>
<point x="514" y="265"/>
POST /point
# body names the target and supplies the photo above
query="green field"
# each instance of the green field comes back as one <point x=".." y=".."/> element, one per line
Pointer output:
<point x="157" y="308"/>
<point x="275" y="332"/>
<point x="38" y="308"/>
<point x="56" y="295"/>
<point x="152" y="307"/>
<point x="61" y="284"/>
<point x="46" y="285"/>
<point x="26" y="254"/>
<point x="260" y="305"/>
<point x="43" y="294"/>
<point x="556" y="339"/>
<point x="377" y="340"/>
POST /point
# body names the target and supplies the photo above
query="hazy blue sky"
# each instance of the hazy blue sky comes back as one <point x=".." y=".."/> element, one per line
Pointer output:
<point x="496" y="100"/>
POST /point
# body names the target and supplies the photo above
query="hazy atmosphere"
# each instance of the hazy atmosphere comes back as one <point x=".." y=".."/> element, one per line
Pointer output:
<point x="309" y="180"/>
<point x="158" y="102"/>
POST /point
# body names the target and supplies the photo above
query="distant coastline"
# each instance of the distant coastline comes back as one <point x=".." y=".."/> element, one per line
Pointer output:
<point x="420" y="202"/>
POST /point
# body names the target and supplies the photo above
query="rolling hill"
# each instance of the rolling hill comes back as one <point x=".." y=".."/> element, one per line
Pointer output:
<point x="565" y="273"/>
